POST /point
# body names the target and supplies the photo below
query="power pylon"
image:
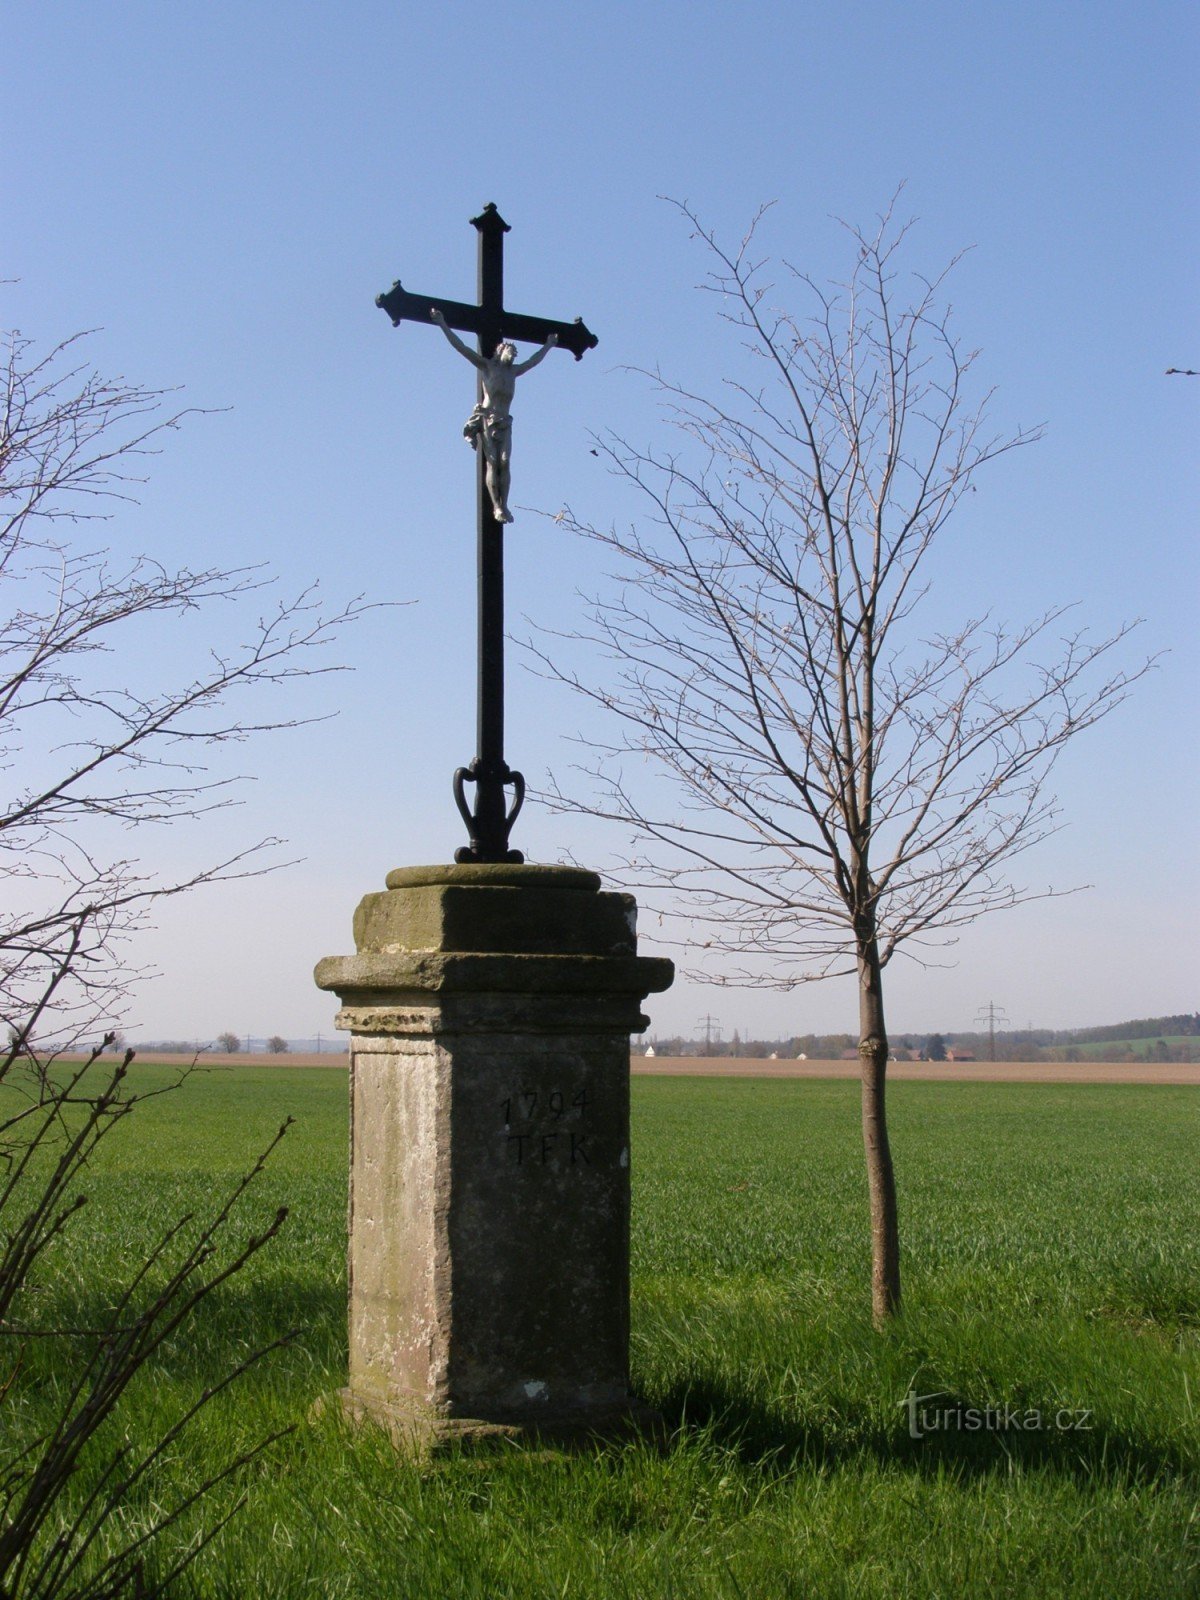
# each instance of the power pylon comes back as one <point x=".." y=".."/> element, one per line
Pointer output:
<point x="991" y="1016"/>
<point x="709" y="1024"/>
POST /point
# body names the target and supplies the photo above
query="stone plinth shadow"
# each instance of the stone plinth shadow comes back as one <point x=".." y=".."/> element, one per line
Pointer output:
<point x="490" y="1009"/>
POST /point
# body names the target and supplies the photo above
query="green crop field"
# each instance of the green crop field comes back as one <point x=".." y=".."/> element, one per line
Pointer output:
<point x="1052" y="1268"/>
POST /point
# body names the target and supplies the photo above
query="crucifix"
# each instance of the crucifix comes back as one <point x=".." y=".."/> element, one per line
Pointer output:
<point x="489" y="431"/>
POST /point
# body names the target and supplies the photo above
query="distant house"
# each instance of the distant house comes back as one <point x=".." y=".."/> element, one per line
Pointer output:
<point x="959" y="1055"/>
<point x="650" y="1050"/>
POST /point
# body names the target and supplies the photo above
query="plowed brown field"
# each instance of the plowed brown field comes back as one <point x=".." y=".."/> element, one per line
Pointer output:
<point x="931" y="1071"/>
<point x="726" y="1067"/>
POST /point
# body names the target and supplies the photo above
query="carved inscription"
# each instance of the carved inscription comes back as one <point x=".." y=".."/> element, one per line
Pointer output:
<point x="547" y="1129"/>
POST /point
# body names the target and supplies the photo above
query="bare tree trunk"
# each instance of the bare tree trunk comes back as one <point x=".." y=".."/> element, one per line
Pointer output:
<point x="881" y="1179"/>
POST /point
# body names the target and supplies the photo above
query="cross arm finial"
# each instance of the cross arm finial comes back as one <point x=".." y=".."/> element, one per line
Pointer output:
<point x="489" y="220"/>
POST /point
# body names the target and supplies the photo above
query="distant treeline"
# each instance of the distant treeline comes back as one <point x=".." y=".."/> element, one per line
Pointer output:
<point x="1147" y="1038"/>
<point x="1186" y="1025"/>
<point x="817" y="1046"/>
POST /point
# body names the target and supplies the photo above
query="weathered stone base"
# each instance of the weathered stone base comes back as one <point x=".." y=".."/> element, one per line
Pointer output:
<point x="490" y="1010"/>
<point x="424" y="1431"/>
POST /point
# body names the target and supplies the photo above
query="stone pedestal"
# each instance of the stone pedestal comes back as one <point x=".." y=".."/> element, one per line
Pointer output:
<point x="490" y="1009"/>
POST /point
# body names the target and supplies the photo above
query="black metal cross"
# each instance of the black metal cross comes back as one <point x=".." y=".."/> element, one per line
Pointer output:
<point x="489" y="824"/>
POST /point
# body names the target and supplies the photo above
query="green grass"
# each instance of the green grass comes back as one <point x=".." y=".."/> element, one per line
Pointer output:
<point x="1051" y="1261"/>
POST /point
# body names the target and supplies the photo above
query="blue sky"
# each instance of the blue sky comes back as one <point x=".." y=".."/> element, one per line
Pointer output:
<point x="221" y="189"/>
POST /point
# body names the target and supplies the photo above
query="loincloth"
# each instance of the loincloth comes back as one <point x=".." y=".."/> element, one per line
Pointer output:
<point x="484" y="421"/>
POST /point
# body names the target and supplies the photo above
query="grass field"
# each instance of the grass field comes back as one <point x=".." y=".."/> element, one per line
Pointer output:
<point x="1052" y="1264"/>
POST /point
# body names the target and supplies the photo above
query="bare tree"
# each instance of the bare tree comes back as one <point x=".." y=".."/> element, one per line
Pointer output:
<point x="230" y="1043"/>
<point x="841" y="783"/>
<point x="86" y="756"/>
<point x="86" y="753"/>
<point x="278" y="1045"/>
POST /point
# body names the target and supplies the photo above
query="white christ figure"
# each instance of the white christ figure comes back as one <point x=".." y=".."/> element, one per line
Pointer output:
<point x="491" y="420"/>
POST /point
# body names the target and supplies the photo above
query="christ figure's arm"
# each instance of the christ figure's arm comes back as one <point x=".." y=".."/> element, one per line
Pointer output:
<point x="472" y="356"/>
<point x="524" y="366"/>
